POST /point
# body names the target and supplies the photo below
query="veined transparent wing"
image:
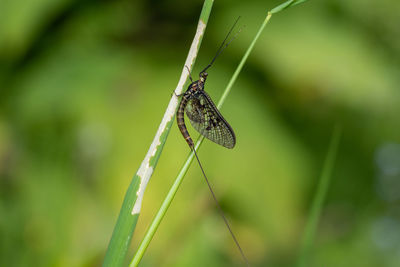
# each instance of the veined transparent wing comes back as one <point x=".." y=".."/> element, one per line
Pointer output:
<point x="208" y="121"/>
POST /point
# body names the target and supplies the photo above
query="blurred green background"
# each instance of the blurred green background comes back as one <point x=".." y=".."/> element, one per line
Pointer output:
<point x="84" y="85"/>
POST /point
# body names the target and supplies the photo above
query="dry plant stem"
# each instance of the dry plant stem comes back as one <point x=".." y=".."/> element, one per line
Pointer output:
<point x="146" y="168"/>
<point x="131" y="206"/>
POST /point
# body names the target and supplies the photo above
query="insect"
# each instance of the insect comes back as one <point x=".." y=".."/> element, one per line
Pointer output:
<point x="208" y="121"/>
<point x="204" y="116"/>
<point x="202" y="112"/>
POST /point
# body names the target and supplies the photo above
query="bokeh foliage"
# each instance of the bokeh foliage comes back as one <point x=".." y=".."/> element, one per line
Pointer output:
<point x="83" y="86"/>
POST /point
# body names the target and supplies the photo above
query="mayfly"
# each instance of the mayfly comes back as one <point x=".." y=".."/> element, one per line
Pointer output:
<point x="207" y="120"/>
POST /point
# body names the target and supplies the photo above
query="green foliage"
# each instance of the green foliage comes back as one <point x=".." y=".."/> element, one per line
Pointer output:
<point x="319" y="198"/>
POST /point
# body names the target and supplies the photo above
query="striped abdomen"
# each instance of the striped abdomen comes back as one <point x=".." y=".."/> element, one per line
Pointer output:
<point x="180" y="119"/>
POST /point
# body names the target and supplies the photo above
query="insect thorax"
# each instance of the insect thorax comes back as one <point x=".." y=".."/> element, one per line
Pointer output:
<point x="194" y="87"/>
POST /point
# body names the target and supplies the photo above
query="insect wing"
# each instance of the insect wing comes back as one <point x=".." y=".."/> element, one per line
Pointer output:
<point x="208" y="121"/>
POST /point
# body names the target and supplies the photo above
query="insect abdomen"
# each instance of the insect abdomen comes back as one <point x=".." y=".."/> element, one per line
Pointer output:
<point x="181" y="121"/>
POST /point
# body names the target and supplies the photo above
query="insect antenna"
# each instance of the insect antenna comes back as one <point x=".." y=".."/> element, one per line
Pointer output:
<point x="224" y="45"/>
<point x="221" y="212"/>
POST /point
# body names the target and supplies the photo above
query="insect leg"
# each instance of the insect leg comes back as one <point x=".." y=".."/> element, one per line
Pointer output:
<point x="173" y="93"/>
<point x="190" y="75"/>
<point x="191" y="80"/>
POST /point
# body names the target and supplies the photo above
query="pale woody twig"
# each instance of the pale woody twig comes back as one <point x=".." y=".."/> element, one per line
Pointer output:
<point x="146" y="169"/>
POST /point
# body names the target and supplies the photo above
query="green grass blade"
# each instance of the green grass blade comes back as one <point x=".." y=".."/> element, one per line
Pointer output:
<point x="285" y="5"/>
<point x="318" y="202"/>
<point x="131" y="206"/>
<point x="244" y="59"/>
<point x="168" y="200"/>
<point x="163" y="209"/>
